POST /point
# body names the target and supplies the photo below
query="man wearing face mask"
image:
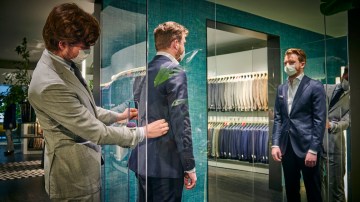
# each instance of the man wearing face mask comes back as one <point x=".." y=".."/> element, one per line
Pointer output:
<point x="299" y="125"/>
<point x="333" y="158"/>
<point x="169" y="165"/>
<point x="73" y="126"/>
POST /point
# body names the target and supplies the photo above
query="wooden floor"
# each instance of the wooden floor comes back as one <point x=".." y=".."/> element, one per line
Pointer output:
<point x="228" y="185"/>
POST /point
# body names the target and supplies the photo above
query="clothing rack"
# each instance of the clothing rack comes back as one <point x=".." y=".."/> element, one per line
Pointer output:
<point x="236" y="77"/>
<point x="239" y="141"/>
<point x="140" y="71"/>
<point x="237" y="119"/>
<point x="238" y="92"/>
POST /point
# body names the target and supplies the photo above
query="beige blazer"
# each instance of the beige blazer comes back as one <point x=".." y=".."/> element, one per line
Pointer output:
<point x="334" y="139"/>
<point x="68" y="116"/>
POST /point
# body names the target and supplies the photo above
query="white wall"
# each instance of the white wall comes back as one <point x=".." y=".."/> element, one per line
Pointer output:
<point x="240" y="62"/>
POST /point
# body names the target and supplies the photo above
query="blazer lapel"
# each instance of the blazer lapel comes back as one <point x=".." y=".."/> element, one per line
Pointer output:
<point x="330" y="92"/>
<point x="336" y="105"/>
<point x="302" y="87"/>
<point x="68" y="76"/>
<point x="285" y="94"/>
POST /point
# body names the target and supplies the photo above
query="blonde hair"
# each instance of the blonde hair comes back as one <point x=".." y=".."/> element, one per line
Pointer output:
<point x="297" y="51"/>
<point x="166" y="32"/>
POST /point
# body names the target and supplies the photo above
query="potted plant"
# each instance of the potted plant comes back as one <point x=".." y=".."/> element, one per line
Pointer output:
<point x="18" y="82"/>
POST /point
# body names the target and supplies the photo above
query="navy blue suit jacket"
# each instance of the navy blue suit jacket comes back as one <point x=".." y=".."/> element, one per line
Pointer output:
<point x="170" y="155"/>
<point x="305" y="125"/>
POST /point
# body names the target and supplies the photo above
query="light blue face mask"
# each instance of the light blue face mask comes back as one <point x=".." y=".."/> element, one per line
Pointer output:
<point x="345" y="85"/>
<point x="83" y="54"/>
<point x="290" y="70"/>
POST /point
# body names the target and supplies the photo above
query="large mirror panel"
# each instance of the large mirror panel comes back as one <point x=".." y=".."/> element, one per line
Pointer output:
<point x="234" y="62"/>
<point x="123" y="66"/>
<point x="323" y="40"/>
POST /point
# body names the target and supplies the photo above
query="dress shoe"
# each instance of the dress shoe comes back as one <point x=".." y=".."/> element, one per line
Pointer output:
<point x="8" y="153"/>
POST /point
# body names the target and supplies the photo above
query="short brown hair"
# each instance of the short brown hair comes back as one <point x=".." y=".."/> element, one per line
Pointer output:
<point x="71" y="24"/>
<point x="297" y="51"/>
<point x="166" y="32"/>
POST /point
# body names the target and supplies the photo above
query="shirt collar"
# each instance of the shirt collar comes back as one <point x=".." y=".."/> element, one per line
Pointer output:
<point x="168" y="56"/>
<point x="298" y="78"/>
<point x="60" y="59"/>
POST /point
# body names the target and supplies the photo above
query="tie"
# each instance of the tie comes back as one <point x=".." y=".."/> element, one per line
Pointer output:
<point x="336" y="97"/>
<point x="78" y="74"/>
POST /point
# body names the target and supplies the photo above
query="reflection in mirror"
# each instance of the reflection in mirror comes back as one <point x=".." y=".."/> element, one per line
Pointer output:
<point x="333" y="161"/>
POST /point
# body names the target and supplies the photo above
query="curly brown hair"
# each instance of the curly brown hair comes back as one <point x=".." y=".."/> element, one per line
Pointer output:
<point x="166" y="32"/>
<point x="70" y="24"/>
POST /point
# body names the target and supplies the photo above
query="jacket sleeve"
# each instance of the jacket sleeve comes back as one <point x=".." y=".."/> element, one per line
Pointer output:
<point x="68" y="114"/>
<point x="177" y="98"/>
<point x="106" y="116"/>
<point x="343" y="120"/>
<point x="341" y="125"/>
<point x="277" y="119"/>
<point x="319" y="116"/>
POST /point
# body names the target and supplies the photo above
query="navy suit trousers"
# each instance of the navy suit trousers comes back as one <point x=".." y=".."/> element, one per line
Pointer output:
<point x="292" y="165"/>
<point x="160" y="189"/>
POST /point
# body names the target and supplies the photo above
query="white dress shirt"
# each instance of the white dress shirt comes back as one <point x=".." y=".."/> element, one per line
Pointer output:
<point x="292" y="90"/>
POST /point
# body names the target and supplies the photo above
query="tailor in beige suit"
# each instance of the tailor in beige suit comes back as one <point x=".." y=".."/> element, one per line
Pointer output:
<point x="73" y="126"/>
<point x="334" y="157"/>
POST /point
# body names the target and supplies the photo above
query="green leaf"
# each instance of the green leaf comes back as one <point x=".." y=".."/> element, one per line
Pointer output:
<point x="165" y="74"/>
<point x="179" y="102"/>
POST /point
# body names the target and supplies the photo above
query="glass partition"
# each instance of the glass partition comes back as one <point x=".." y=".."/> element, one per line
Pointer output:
<point x="335" y="162"/>
<point x="123" y="66"/>
<point x="186" y="85"/>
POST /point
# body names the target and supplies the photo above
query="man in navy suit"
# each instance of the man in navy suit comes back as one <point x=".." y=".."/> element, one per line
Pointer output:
<point x="169" y="164"/>
<point x="299" y="126"/>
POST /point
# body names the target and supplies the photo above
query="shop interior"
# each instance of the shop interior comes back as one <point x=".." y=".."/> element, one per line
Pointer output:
<point x="235" y="48"/>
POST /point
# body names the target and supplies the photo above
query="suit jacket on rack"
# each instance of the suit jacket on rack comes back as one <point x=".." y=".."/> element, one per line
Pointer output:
<point x="334" y="142"/>
<point x="305" y="125"/>
<point x="68" y="116"/>
<point x="172" y="154"/>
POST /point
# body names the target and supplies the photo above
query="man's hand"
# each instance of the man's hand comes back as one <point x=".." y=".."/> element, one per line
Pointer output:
<point x="190" y="180"/>
<point x="126" y="115"/>
<point x="157" y="128"/>
<point x="310" y="159"/>
<point x="276" y="153"/>
<point x="328" y="124"/>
